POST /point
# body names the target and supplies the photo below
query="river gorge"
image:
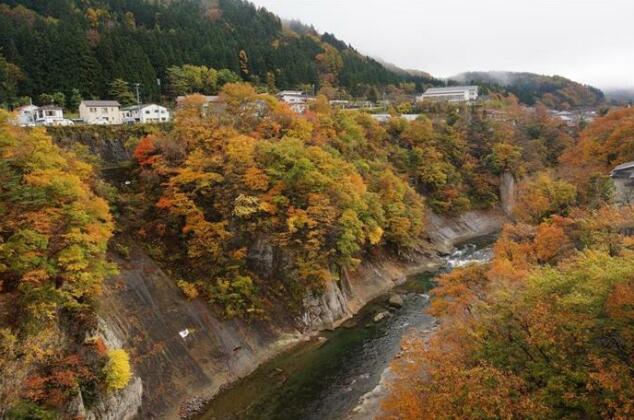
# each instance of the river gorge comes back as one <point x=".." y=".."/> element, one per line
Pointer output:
<point x="338" y="374"/>
<point x="175" y="376"/>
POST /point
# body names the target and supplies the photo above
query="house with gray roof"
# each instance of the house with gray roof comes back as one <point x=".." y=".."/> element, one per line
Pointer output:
<point x="100" y="112"/>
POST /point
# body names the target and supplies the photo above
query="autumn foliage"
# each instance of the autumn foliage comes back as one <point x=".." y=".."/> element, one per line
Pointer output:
<point x="252" y="203"/>
<point x="117" y="370"/>
<point x="256" y="173"/>
<point x="54" y="230"/>
<point x="542" y="331"/>
<point x="607" y="142"/>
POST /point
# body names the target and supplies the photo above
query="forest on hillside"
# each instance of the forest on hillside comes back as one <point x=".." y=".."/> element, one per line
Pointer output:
<point x="80" y="47"/>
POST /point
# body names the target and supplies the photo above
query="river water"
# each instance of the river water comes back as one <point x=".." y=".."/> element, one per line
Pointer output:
<point x="336" y="375"/>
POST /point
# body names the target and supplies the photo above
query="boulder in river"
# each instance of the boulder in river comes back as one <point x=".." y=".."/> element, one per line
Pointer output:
<point x="380" y="316"/>
<point x="395" y="301"/>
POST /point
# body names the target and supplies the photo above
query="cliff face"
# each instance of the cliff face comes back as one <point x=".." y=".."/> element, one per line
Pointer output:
<point x="446" y="232"/>
<point x="179" y="348"/>
<point x="112" y="144"/>
<point x="143" y="307"/>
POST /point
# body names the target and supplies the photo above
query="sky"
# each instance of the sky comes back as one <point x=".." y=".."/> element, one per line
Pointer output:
<point x="590" y="41"/>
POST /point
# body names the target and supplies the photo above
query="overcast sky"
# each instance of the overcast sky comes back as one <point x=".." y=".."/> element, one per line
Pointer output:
<point x="591" y="41"/>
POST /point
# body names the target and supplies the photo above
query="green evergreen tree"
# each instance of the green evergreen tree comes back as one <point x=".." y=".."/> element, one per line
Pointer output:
<point x="86" y="45"/>
<point x="120" y="90"/>
<point x="74" y="100"/>
<point x="10" y="75"/>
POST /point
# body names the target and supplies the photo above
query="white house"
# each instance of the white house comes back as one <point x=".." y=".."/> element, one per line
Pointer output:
<point x="51" y="115"/>
<point x="100" y="112"/>
<point x="296" y="100"/>
<point x="381" y="117"/>
<point x="450" y="94"/>
<point x="574" y="118"/>
<point x="410" y="117"/>
<point x="149" y="113"/>
<point x="26" y="115"/>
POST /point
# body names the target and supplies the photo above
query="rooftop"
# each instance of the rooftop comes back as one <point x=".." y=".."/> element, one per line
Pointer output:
<point x="51" y="107"/>
<point x="623" y="166"/>
<point x="100" y="103"/>
<point x="133" y="107"/>
<point x="450" y="89"/>
<point x="291" y="92"/>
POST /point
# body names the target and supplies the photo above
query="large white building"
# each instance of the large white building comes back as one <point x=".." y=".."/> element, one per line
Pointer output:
<point x="100" y="112"/>
<point x="450" y="94"/>
<point x="296" y="100"/>
<point x="148" y="113"/>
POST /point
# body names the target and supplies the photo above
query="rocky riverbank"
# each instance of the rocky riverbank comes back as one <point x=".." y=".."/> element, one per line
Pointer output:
<point x="144" y="307"/>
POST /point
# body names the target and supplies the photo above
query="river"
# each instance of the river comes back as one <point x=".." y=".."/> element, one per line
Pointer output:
<point x="337" y="375"/>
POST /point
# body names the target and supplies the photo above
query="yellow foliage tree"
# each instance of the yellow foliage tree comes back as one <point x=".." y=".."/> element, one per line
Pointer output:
<point x="117" y="370"/>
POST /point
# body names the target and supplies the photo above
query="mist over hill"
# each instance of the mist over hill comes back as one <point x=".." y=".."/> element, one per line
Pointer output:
<point x="553" y="91"/>
<point x="621" y="96"/>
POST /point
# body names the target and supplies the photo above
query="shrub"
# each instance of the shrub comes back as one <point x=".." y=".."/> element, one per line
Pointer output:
<point x="29" y="410"/>
<point x="188" y="289"/>
<point x="117" y="370"/>
<point x="122" y="250"/>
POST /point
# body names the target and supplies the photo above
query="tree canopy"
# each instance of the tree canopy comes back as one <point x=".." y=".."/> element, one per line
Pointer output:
<point x="545" y="329"/>
<point x="54" y="231"/>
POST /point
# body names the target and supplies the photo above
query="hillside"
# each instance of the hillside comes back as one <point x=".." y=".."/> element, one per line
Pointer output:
<point x="63" y="45"/>
<point x="553" y="91"/>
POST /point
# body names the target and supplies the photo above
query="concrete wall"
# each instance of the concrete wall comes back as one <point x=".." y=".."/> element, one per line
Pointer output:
<point x="624" y="190"/>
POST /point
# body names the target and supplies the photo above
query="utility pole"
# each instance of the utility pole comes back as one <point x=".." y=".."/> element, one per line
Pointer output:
<point x="138" y="100"/>
<point x="158" y="83"/>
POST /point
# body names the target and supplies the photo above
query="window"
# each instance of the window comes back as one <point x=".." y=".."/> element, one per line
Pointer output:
<point x="104" y="110"/>
<point x="92" y="109"/>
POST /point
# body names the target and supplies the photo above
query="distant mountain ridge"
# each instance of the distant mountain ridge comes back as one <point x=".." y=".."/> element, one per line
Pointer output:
<point x="553" y="91"/>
